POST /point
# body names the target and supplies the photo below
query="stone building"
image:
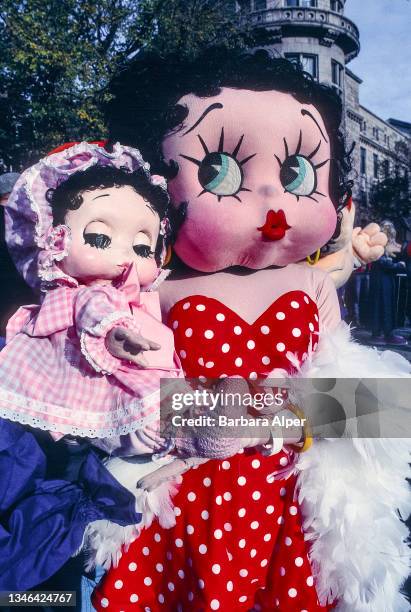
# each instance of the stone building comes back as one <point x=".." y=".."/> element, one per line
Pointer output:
<point x="319" y="35"/>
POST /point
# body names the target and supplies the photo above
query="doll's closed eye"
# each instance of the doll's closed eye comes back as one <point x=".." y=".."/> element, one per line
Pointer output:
<point x="298" y="174"/>
<point x="143" y="250"/>
<point x="219" y="172"/>
<point x="99" y="241"/>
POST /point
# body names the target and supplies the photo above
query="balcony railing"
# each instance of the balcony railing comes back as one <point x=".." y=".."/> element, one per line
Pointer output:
<point x="330" y="25"/>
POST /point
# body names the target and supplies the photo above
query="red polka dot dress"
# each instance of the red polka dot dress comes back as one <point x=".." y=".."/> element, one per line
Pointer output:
<point x="237" y="543"/>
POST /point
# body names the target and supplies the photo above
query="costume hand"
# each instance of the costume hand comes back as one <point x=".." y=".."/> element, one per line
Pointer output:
<point x="168" y="472"/>
<point x="127" y="345"/>
<point x="368" y="243"/>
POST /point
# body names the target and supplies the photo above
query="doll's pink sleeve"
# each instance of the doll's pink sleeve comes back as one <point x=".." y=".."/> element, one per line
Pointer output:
<point x="327" y="303"/>
<point x="97" y="310"/>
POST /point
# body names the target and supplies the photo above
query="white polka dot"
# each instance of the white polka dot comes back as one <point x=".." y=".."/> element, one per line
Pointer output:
<point x="219" y="500"/>
<point x="288" y="541"/>
<point x="207" y="482"/>
<point x="282" y="571"/>
<point x="270" y="509"/>
<point x="191" y="496"/>
<point x="225" y="465"/>
<point x="208" y="334"/>
<point x="310" y="581"/>
<point x="159" y="567"/>
<point x="190" y="529"/>
<point x="223" y="376"/>
<point x="133" y="598"/>
<point x="241" y="480"/>
<point x="161" y="598"/>
<point x="270" y="479"/>
<point x="210" y="364"/>
<point x="175" y="324"/>
<point x="179" y="542"/>
<point x="186" y="305"/>
<point x="170" y="586"/>
<point x="132" y="567"/>
<point x="263" y="562"/>
<point x="255" y="464"/>
<point x="283" y="461"/>
<point x="280" y="347"/>
<point x="243" y="573"/>
<point x="250" y="344"/>
<point x="237" y="330"/>
<point x="201" y="583"/>
<point x="243" y="598"/>
<point x="204" y="515"/>
<point x="277" y="602"/>
<point x="227" y="496"/>
<point x="229" y="556"/>
<point x="316" y="317"/>
<point x="241" y="543"/>
<point x="220" y="317"/>
<point x="282" y="491"/>
<point x="280" y="316"/>
<point x="214" y="604"/>
<point x="201" y="361"/>
<point x="200" y="307"/>
<point x="218" y="534"/>
<point x="216" y="569"/>
<point x="228" y="526"/>
<point x="230" y="586"/>
<point x="252" y="375"/>
<point x="188" y="332"/>
<point x="104" y="602"/>
<point x="265" y="329"/>
<point x="118" y="584"/>
<point x="253" y="553"/>
<point x="292" y="592"/>
<point x="238" y="362"/>
<point x="293" y="510"/>
<point x="280" y="520"/>
<point x="202" y="549"/>
<point x="295" y="304"/>
<point x="255" y="525"/>
<point x="296" y="332"/>
<point x="146" y="551"/>
<point x="241" y="512"/>
<point x="266" y="360"/>
<point x="225" y="348"/>
<point x="190" y="596"/>
<point x="299" y="561"/>
<point x="267" y="537"/>
<point x="147" y="581"/>
<point x="256" y="495"/>
<point x="202" y="379"/>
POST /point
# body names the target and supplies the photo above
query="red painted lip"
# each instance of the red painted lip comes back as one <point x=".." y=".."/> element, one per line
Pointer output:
<point x="275" y="225"/>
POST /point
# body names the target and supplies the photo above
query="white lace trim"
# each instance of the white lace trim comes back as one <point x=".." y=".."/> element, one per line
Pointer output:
<point x="106" y="431"/>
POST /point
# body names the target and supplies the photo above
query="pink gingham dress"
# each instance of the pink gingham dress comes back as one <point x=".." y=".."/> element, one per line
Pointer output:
<point x="56" y="373"/>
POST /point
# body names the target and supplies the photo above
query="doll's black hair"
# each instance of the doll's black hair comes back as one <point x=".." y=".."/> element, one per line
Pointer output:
<point x="68" y="195"/>
<point x="143" y="107"/>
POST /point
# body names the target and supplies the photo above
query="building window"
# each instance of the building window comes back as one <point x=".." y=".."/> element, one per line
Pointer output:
<point x="363" y="161"/>
<point x="337" y="72"/>
<point x="375" y="158"/>
<point x="363" y="126"/>
<point x="376" y="133"/>
<point x="336" y="6"/>
<point x="309" y="63"/>
<point x="307" y="3"/>
<point x="386" y="167"/>
<point x="260" y="5"/>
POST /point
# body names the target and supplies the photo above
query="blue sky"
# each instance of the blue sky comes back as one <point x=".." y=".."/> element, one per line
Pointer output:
<point x="384" y="62"/>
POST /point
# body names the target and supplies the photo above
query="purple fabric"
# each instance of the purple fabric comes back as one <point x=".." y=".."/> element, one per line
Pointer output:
<point x="43" y="518"/>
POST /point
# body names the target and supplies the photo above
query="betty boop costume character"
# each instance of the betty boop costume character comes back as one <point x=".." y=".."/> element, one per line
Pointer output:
<point x="256" y="167"/>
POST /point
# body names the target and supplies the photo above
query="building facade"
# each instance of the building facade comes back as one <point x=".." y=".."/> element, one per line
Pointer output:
<point x="319" y="35"/>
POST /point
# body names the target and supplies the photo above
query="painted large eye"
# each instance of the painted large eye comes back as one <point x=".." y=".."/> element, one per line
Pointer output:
<point x="298" y="175"/>
<point x="220" y="174"/>
<point x="99" y="241"/>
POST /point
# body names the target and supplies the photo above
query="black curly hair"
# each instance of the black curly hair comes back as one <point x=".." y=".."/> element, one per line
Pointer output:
<point x="143" y="106"/>
<point x="68" y="195"/>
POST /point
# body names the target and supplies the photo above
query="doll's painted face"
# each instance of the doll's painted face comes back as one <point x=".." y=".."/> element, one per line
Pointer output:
<point x="254" y="170"/>
<point x="113" y="228"/>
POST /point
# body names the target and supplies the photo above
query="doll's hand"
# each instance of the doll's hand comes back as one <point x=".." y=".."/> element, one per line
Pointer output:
<point x="368" y="243"/>
<point x="127" y="345"/>
<point x="168" y="472"/>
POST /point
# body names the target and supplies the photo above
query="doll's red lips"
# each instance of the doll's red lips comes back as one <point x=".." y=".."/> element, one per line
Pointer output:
<point x="275" y="225"/>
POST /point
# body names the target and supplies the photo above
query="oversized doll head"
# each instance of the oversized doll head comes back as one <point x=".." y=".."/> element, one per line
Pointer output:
<point x="252" y="149"/>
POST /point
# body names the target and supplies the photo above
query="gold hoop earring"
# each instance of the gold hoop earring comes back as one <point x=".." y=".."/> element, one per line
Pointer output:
<point x="314" y="261"/>
<point x="169" y="253"/>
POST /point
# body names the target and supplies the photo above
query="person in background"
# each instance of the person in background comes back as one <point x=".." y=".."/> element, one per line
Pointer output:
<point x="14" y="292"/>
<point x="382" y="290"/>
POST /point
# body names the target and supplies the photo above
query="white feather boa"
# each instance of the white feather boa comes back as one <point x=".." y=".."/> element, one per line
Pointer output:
<point x="353" y="493"/>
